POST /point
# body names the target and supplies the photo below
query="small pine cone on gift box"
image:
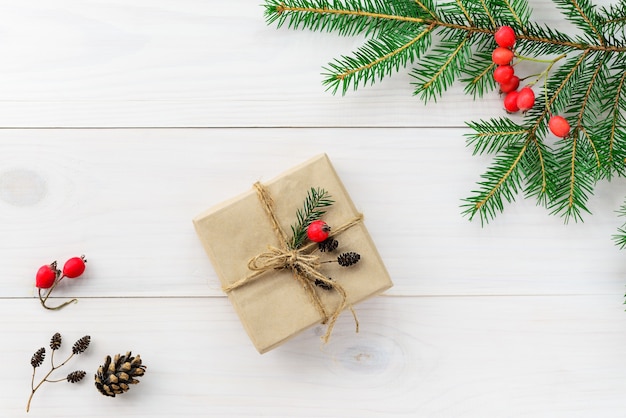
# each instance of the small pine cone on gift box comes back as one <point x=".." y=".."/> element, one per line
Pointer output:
<point x="348" y="259"/>
<point x="328" y="245"/>
<point x="115" y="376"/>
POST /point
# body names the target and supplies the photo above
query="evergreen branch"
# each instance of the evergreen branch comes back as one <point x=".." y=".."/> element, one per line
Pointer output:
<point x="535" y="167"/>
<point x="494" y="135"/>
<point x="480" y="72"/>
<point x="465" y="12"/>
<point x="428" y="9"/>
<point x="616" y="121"/>
<point x="375" y="60"/>
<point x="582" y="13"/>
<point x="574" y="168"/>
<point x="435" y="74"/>
<point x="620" y="237"/>
<point x="520" y="17"/>
<point x="316" y="199"/>
<point x="501" y="182"/>
<point x="489" y="15"/>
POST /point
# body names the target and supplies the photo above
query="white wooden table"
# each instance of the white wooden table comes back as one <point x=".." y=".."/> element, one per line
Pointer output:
<point x="122" y="120"/>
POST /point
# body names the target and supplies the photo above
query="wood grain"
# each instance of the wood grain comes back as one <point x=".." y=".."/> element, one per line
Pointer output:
<point x="120" y="121"/>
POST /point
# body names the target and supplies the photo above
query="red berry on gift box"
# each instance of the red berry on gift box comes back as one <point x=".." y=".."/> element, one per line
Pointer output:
<point x="46" y="275"/>
<point x="525" y="99"/>
<point x="74" y="267"/>
<point x="503" y="74"/>
<point x="501" y="56"/>
<point x="559" y="126"/>
<point x="318" y="231"/>
<point x="510" y="102"/>
<point x="511" y="85"/>
<point x="505" y="37"/>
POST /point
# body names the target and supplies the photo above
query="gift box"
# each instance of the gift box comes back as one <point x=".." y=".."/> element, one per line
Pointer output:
<point x="279" y="299"/>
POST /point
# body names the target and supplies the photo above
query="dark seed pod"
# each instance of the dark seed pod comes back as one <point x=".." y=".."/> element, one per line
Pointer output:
<point x="323" y="285"/>
<point x="76" y="376"/>
<point x="348" y="259"/>
<point x="328" y="245"/>
<point x="115" y="375"/>
<point x="38" y="357"/>
<point x="55" y="341"/>
<point x="81" y="345"/>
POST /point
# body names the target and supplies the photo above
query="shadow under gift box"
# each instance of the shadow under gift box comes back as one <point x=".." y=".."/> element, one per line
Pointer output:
<point x="274" y="307"/>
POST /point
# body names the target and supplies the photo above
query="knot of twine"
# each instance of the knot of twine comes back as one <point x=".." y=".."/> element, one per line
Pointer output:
<point x="304" y="266"/>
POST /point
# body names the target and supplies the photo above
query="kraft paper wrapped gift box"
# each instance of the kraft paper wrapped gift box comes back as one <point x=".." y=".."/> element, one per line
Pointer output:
<point x="274" y="306"/>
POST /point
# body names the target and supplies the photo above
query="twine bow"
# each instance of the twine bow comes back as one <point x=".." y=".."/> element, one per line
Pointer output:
<point x="303" y="265"/>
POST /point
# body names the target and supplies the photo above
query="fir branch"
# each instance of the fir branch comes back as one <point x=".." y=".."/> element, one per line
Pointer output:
<point x="500" y="183"/>
<point x="495" y="135"/>
<point x="480" y="75"/>
<point x="582" y="14"/>
<point x="438" y="71"/>
<point x="573" y="166"/>
<point x="316" y="199"/>
<point x="375" y="60"/>
<point x="452" y="41"/>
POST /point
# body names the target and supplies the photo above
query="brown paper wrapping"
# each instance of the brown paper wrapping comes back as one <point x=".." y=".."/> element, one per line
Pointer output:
<point x="275" y="307"/>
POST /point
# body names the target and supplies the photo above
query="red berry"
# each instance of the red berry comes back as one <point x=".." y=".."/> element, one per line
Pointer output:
<point x="46" y="275"/>
<point x="525" y="99"/>
<point x="74" y="267"/>
<point x="503" y="74"/>
<point x="559" y="126"/>
<point x="501" y="56"/>
<point x="505" y="37"/>
<point x="510" y="102"/>
<point x="511" y="85"/>
<point x="318" y="231"/>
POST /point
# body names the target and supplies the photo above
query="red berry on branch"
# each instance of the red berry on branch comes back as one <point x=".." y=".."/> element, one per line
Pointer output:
<point x="74" y="267"/>
<point x="46" y="275"/>
<point x="510" y="102"/>
<point x="503" y="74"/>
<point x="502" y="56"/>
<point x="318" y="231"/>
<point x="511" y="85"/>
<point x="525" y="99"/>
<point x="505" y="37"/>
<point x="559" y="126"/>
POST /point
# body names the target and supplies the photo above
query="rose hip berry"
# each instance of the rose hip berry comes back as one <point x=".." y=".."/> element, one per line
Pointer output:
<point x="510" y="102"/>
<point x="559" y="126"/>
<point x="318" y="231"/>
<point x="502" y="56"/>
<point x="505" y="37"/>
<point x="525" y="99"/>
<point x="46" y="275"/>
<point x="74" y="267"/>
<point x="503" y="74"/>
<point x="511" y="85"/>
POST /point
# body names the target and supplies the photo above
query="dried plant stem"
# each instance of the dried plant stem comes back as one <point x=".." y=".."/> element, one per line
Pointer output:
<point x="45" y="379"/>
<point x="43" y="299"/>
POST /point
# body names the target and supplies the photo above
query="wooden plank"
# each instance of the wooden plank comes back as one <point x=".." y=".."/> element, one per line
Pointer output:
<point x="183" y="63"/>
<point x="415" y="356"/>
<point x="125" y="198"/>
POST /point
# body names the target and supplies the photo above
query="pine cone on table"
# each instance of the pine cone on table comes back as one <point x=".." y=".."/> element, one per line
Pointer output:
<point x="115" y="375"/>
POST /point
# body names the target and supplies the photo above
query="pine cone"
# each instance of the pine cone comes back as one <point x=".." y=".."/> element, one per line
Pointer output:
<point x="348" y="259"/>
<point x="55" y="341"/>
<point x="76" y="376"/>
<point x="81" y="345"/>
<point x="114" y="376"/>
<point x="38" y="357"/>
<point x="328" y="245"/>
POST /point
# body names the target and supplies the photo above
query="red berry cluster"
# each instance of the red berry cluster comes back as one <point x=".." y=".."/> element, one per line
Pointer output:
<point x="504" y="75"/>
<point x="49" y="276"/>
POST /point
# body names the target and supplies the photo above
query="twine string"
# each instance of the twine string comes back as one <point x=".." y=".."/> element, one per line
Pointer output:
<point x="304" y="266"/>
